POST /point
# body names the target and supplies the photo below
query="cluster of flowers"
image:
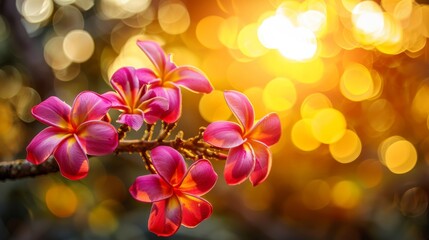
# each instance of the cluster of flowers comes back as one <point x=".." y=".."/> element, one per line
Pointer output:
<point x="148" y="95"/>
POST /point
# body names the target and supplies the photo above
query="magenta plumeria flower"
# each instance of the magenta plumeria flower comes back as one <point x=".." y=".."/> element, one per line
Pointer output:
<point x="166" y="78"/>
<point x="133" y="99"/>
<point x="174" y="191"/>
<point x="249" y="154"/>
<point x="72" y="133"/>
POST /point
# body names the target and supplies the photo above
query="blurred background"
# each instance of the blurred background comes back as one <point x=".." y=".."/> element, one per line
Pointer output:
<point x="349" y="79"/>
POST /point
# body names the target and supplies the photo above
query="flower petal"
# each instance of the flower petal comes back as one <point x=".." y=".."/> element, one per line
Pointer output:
<point x="97" y="137"/>
<point x="53" y="112"/>
<point x="194" y="210"/>
<point x="190" y="78"/>
<point x="165" y="217"/>
<point x="156" y="55"/>
<point x="267" y="130"/>
<point x="174" y="98"/>
<point x="89" y="106"/>
<point x="126" y="84"/>
<point x="135" y="120"/>
<point x="116" y="100"/>
<point x="43" y="144"/>
<point x="241" y="107"/>
<point x="262" y="164"/>
<point x="239" y="164"/>
<point x="169" y="164"/>
<point x="154" y="108"/>
<point x="147" y="76"/>
<point x="71" y="159"/>
<point x="199" y="179"/>
<point x="150" y="188"/>
<point x="223" y="134"/>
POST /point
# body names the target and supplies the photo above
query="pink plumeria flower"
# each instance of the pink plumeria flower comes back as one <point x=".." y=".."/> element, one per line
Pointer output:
<point x="166" y="78"/>
<point x="72" y="133"/>
<point x="175" y="192"/>
<point x="249" y="154"/>
<point x="133" y="99"/>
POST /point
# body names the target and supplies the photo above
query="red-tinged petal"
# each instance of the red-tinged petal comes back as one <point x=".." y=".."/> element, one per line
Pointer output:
<point x="116" y="100"/>
<point x="125" y="82"/>
<point x="147" y="76"/>
<point x="134" y="120"/>
<point x="194" y="210"/>
<point x="89" y="106"/>
<point x="71" y="159"/>
<point x="150" y="188"/>
<point x="262" y="164"/>
<point x="190" y="78"/>
<point x="156" y="55"/>
<point x="239" y="164"/>
<point x="266" y="130"/>
<point x="44" y="143"/>
<point x="165" y="217"/>
<point x="154" y="109"/>
<point x="169" y="164"/>
<point x="241" y="107"/>
<point x="97" y="137"/>
<point x="199" y="179"/>
<point x="174" y="98"/>
<point x="53" y="112"/>
<point x="223" y="134"/>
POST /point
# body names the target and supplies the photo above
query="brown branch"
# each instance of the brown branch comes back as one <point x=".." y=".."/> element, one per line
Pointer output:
<point x="192" y="148"/>
<point x="22" y="168"/>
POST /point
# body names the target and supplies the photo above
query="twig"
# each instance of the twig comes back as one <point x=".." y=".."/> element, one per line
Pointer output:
<point x="189" y="148"/>
<point x="22" y="168"/>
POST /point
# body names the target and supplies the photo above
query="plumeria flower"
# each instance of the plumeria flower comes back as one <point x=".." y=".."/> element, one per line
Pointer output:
<point x="133" y="99"/>
<point x="249" y="154"/>
<point x="174" y="191"/>
<point x="72" y="133"/>
<point x="166" y="78"/>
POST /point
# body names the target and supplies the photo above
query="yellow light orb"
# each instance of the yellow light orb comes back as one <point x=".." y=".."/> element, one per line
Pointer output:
<point x="279" y="94"/>
<point x="346" y="194"/>
<point x="401" y="157"/>
<point x="207" y="31"/>
<point x="302" y="136"/>
<point x="213" y="107"/>
<point x="248" y="43"/>
<point x="328" y="125"/>
<point x="313" y="103"/>
<point x="347" y="148"/>
<point x="78" y="52"/>
<point x="173" y="17"/>
<point x="61" y="200"/>
<point x="356" y="83"/>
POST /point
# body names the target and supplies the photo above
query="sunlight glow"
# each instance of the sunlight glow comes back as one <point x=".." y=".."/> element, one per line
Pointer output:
<point x="295" y="42"/>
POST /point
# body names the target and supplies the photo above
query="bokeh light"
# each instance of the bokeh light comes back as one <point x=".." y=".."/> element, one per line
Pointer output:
<point x="328" y="125"/>
<point x="346" y="194"/>
<point x="348" y="79"/>
<point x="400" y="156"/>
<point x="279" y="94"/>
<point x="347" y="148"/>
<point x="78" y="52"/>
<point x="61" y="200"/>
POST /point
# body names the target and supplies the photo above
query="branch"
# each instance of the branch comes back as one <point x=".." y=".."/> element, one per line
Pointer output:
<point x="192" y="148"/>
<point x="22" y="168"/>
